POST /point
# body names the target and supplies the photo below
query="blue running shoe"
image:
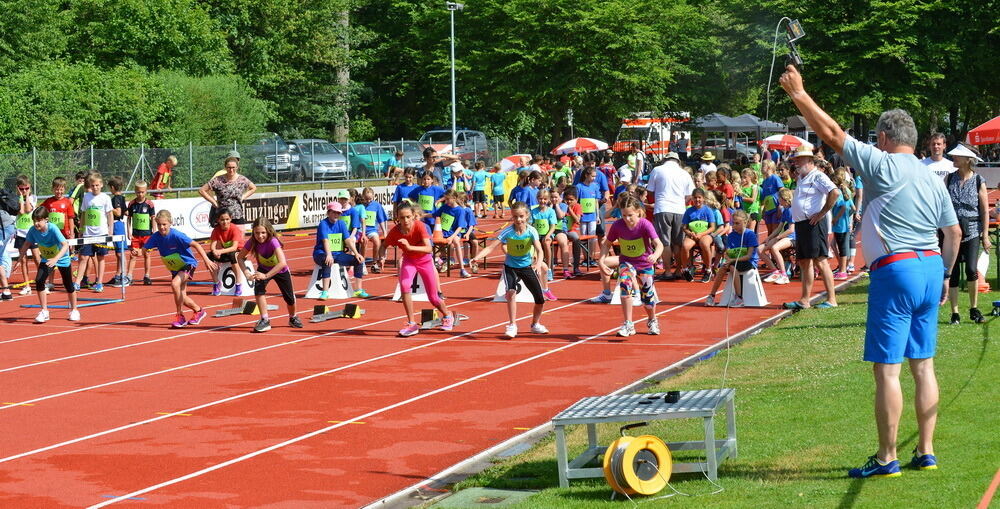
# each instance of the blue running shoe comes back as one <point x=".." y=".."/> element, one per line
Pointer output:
<point x="99" y="288"/>
<point x="875" y="468"/>
<point x="923" y="461"/>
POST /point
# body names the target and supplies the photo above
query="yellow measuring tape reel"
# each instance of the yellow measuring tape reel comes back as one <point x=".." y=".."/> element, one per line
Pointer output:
<point x="637" y="465"/>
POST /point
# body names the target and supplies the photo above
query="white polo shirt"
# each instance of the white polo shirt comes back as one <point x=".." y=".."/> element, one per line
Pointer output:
<point x="811" y="191"/>
<point x="670" y="186"/>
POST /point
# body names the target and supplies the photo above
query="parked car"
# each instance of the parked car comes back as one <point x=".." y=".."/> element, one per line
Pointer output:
<point x="413" y="152"/>
<point x="366" y="158"/>
<point x="718" y="147"/>
<point x="320" y="160"/>
<point x="272" y="155"/>
<point x="470" y="145"/>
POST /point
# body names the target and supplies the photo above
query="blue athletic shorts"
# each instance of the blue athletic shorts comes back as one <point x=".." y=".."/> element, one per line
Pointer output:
<point x="903" y="310"/>
<point x="119" y="229"/>
<point x="93" y="250"/>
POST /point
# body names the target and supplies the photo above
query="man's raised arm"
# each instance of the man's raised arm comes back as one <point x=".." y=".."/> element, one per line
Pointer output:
<point x="825" y="127"/>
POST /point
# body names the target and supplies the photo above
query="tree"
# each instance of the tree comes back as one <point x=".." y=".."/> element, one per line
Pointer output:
<point x="32" y="31"/>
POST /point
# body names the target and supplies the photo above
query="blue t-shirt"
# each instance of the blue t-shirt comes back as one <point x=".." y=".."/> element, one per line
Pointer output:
<point x="452" y="218"/>
<point x="358" y="213"/>
<point x="402" y="192"/>
<point x="479" y="180"/>
<point x="426" y="197"/>
<point x="585" y="192"/>
<point x="561" y="226"/>
<point x="351" y="218"/>
<point x="374" y="216"/>
<point x="470" y="219"/>
<point x="498" y="179"/>
<point x="786" y="220"/>
<point x="519" y="246"/>
<point x="336" y="231"/>
<point x="736" y="243"/>
<point x="49" y="244"/>
<point x="704" y="214"/>
<point x="389" y="163"/>
<point x="770" y="186"/>
<point x="544" y="221"/>
<point x="842" y="224"/>
<point x="174" y="247"/>
<point x="528" y="195"/>
<point x="904" y="204"/>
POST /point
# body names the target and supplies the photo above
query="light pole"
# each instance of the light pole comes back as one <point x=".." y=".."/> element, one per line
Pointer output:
<point x="452" y="7"/>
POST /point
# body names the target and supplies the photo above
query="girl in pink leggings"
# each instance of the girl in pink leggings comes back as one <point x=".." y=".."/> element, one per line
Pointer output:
<point x="415" y="243"/>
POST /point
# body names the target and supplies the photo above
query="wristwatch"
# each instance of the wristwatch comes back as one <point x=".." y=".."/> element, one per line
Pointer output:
<point x="947" y="275"/>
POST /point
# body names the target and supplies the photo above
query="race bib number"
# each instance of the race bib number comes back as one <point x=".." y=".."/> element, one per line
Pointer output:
<point x="589" y="205"/>
<point x="23" y="222"/>
<point x="737" y="252"/>
<point x="519" y="247"/>
<point x="447" y="221"/>
<point x="632" y="248"/>
<point x="268" y="261"/>
<point x="336" y="242"/>
<point x="370" y="218"/>
<point x="49" y="252"/>
<point x="174" y="262"/>
<point x="698" y="226"/>
<point x="58" y="219"/>
<point x="141" y="222"/>
<point x="426" y="202"/>
<point x="542" y="225"/>
<point x="226" y="244"/>
<point x="460" y="186"/>
<point x="347" y="221"/>
<point x="92" y="217"/>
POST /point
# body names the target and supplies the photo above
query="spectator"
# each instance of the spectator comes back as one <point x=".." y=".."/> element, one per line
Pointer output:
<point x="969" y="198"/>
<point x="684" y="146"/>
<point x="906" y="208"/>
<point x="162" y="178"/>
<point x="230" y="190"/>
<point x="815" y="196"/>
<point x="671" y="187"/>
<point x="706" y="162"/>
<point x="936" y="162"/>
<point x="434" y="164"/>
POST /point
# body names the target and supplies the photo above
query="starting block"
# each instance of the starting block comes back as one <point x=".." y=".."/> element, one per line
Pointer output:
<point x="323" y="313"/>
<point x="753" y="289"/>
<point x="431" y="318"/>
<point x="243" y="307"/>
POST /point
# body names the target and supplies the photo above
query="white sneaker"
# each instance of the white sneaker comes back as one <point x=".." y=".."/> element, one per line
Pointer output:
<point x="626" y="330"/>
<point x="772" y="276"/>
<point x="42" y="316"/>
<point x="782" y="280"/>
<point x="511" y="331"/>
<point x="737" y="302"/>
<point x="26" y="290"/>
<point x="654" y="327"/>
<point x="538" y="328"/>
<point x="710" y="300"/>
<point x="74" y="316"/>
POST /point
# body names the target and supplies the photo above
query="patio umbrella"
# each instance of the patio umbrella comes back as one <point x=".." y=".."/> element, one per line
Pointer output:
<point x="513" y="162"/>
<point x="580" y="145"/>
<point x="784" y="142"/>
<point x="986" y="133"/>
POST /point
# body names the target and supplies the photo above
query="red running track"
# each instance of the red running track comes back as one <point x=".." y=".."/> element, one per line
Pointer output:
<point x="121" y="409"/>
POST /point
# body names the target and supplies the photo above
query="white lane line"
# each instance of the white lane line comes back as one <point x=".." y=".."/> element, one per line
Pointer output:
<point x="264" y="389"/>
<point x="368" y="414"/>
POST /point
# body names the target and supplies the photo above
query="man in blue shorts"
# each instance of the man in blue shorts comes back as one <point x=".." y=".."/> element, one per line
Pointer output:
<point x="904" y="207"/>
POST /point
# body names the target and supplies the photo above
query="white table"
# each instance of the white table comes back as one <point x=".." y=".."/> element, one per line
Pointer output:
<point x="648" y="407"/>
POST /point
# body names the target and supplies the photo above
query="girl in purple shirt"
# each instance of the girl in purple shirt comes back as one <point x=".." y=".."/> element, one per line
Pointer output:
<point x="271" y="264"/>
<point x="639" y="246"/>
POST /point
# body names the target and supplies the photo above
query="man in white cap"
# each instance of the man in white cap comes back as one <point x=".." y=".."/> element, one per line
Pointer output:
<point x="815" y="195"/>
<point x="707" y="162"/>
<point x="937" y="162"/>
<point x="671" y="187"/>
<point x="905" y="205"/>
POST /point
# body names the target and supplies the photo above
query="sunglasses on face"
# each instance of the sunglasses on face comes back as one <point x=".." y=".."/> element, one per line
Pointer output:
<point x="24" y="188"/>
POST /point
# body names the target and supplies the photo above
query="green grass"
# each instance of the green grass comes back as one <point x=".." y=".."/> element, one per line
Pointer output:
<point x="804" y="417"/>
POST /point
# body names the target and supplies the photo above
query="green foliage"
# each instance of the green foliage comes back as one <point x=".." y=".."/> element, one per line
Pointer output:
<point x="212" y="109"/>
<point x="156" y="34"/>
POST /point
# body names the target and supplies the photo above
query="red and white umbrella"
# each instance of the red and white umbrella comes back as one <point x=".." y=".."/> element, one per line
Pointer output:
<point x="784" y="142"/>
<point x="580" y="145"/>
<point x="986" y="133"/>
<point x="514" y="162"/>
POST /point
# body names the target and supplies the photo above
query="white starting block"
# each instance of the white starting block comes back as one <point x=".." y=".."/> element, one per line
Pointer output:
<point x="753" y="289"/>
<point x="417" y="290"/>
<point x="243" y="307"/>
<point x="523" y="295"/>
<point x="227" y="280"/>
<point x="340" y="284"/>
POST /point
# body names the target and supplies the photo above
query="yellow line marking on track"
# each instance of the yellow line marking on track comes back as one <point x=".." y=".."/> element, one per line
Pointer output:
<point x="522" y="429"/>
<point x="20" y="404"/>
<point x="348" y="422"/>
<point x="171" y="413"/>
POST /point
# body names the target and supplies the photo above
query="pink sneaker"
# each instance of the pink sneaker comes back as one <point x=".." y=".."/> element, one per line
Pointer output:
<point x="840" y="276"/>
<point x="179" y="322"/>
<point x="549" y="295"/>
<point x="411" y="329"/>
<point x="198" y="317"/>
<point x="448" y="323"/>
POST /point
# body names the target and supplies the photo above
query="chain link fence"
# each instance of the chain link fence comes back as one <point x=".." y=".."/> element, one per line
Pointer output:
<point x="269" y="162"/>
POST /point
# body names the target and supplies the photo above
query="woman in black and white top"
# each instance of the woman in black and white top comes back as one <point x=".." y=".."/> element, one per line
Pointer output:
<point x="968" y="195"/>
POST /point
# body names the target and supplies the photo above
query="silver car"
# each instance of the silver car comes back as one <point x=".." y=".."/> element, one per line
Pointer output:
<point x="320" y="160"/>
<point x="413" y="152"/>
